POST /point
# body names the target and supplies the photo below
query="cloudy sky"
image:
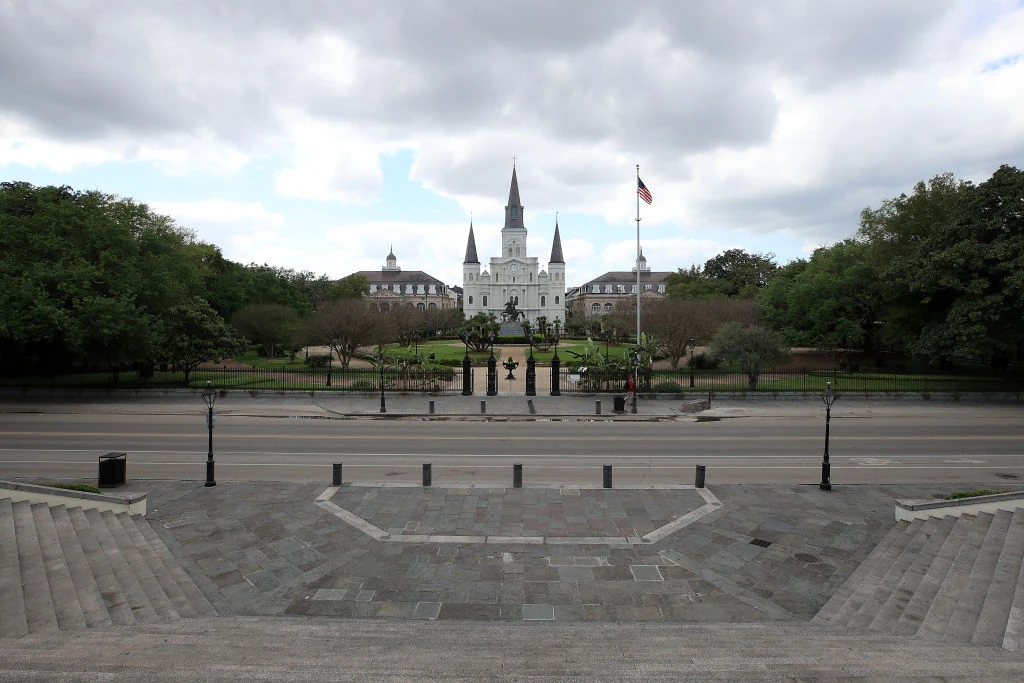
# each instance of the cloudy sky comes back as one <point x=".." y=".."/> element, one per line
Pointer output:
<point x="316" y="135"/>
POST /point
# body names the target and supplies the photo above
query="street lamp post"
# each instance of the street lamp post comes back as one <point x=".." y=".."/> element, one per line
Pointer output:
<point x="467" y="368"/>
<point x="492" y="367"/>
<point x="380" y="359"/>
<point x="692" y="345"/>
<point x="556" y="364"/>
<point x="209" y="398"/>
<point x="635" y="358"/>
<point x="828" y="398"/>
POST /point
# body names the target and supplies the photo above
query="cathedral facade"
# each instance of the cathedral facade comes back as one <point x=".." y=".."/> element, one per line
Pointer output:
<point x="513" y="279"/>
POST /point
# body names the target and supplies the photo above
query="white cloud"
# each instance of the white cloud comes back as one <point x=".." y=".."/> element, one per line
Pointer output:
<point x="750" y="124"/>
<point x="329" y="162"/>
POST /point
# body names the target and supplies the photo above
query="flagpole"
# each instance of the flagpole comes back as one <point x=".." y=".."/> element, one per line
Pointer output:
<point x="638" y="254"/>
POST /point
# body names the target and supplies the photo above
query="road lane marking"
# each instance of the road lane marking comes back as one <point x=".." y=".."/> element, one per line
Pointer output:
<point x="632" y="438"/>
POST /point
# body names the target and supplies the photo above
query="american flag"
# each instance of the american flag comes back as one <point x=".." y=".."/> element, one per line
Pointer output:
<point x="642" y="190"/>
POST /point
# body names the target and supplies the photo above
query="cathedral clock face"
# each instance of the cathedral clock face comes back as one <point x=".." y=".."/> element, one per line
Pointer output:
<point x="514" y="268"/>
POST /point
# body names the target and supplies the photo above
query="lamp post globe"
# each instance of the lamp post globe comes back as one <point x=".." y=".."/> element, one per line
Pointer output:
<point x="209" y="398"/>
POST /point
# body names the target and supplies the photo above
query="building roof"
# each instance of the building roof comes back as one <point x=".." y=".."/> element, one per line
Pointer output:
<point x="630" y="276"/>
<point x="514" y="209"/>
<point x="471" y="256"/>
<point x="556" y="247"/>
<point x="412" y="277"/>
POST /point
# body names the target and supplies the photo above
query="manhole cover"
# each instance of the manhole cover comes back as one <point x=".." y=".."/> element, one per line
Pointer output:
<point x="1005" y="475"/>
<point x="807" y="557"/>
<point x="760" y="542"/>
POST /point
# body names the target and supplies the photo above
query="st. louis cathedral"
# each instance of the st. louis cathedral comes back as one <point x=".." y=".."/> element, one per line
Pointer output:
<point x="514" y="280"/>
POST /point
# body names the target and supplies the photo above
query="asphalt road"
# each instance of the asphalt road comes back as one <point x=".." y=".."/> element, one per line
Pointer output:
<point x="964" y="444"/>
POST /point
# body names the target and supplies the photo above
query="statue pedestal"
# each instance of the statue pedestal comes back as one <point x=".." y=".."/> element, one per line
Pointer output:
<point x="509" y="329"/>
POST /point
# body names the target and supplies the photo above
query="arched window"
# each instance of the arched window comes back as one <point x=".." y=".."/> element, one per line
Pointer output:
<point x="543" y="301"/>
<point x="556" y="300"/>
<point x="384" y="307"/>
<point x="420" y="307"/>
<point x="517" y="301"/>
<point x="432" y="307"/>
<point x="485" y="300"/>
<point x="607" y="308"/>
<point x="595" y="309"/>
<point x="510" y="251"/>
<point x="470" y="301"/>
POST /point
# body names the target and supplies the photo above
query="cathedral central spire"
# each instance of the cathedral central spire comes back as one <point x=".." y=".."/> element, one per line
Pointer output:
<point x="514" y="210"/>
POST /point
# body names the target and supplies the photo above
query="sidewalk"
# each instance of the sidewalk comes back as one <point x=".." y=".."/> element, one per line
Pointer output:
<point x="515" y="404"/>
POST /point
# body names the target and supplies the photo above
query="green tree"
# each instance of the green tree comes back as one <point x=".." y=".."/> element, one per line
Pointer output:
<point x="951" y="257"/>
<point x="743" y="273"/>
<point x="352" y="286"/>
<point x="751" y="347"/>
<point x="85" y="276"/>
<point x="694" y="284"/>
<point x="269" y="325"/>
<point x="194" y="333"/>
<point x="828" y="302"/>
<point x="477" y="331"/>
<point x="346" y="325"/>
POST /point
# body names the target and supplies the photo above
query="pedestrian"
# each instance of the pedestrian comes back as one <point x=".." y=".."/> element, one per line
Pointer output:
<point x="630" y="388"/>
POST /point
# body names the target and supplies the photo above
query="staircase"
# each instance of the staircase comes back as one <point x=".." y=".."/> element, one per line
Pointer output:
<point x="70" y="569"/>
<point x="309" y="648"/>
<point x="950" y="579"/>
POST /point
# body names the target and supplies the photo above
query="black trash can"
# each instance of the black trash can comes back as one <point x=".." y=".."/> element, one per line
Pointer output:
<point x="113" y="467"/>
<point x="620" y="404"/>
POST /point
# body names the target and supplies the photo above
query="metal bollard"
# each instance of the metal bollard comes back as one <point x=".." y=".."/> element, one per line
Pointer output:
<point x="426" y="474"/>
<point x="698" y="480"/>
<point x="607" y="476"/>
<point x="336" y="474"/>
<point x="483" y="407"/>
<point x="598" y="407"/>
<point x="431" y="407"/>
<point x="517" y="476"/>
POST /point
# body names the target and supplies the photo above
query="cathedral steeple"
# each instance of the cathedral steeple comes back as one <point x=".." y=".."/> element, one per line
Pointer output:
<point x="471" y="256"/>
<point x="556" y="246"/>
<point x="514" y="210"/>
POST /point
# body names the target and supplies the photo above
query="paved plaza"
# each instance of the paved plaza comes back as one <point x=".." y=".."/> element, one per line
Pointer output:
<point x="766" y="553"/>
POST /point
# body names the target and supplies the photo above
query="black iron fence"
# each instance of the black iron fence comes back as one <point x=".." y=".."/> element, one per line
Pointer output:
<point x="440" y="380"/>
<point x="785" y="381"/>
<point x="449" y="380"/>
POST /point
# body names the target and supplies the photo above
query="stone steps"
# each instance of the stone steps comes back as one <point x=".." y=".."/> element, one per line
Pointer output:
<point x="264" y="648"/>
<point x="74" y="569"/>
<point x="954" y="579"/>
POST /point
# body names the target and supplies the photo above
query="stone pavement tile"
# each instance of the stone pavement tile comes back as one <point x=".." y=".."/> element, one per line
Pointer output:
<point x="482" y="612"/>
<point x="570" y="613"/>
<point x="643" y="572"/>
<point x="427" y="610"/>
<point x="397" y="610"/>
<point x="575" y="573"/>
<point x="538" y="612"/>
<point x="330" y="594"/>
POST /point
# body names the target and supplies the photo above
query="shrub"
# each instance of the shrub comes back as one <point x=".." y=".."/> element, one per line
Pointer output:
<point x="956" y="495"/>
<point x="362" y="385"/>
<point x="667" y="387"/>
<point x="85" y="488"/>
<point x="318" y="361"/>
<point x="702" y="361"/>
